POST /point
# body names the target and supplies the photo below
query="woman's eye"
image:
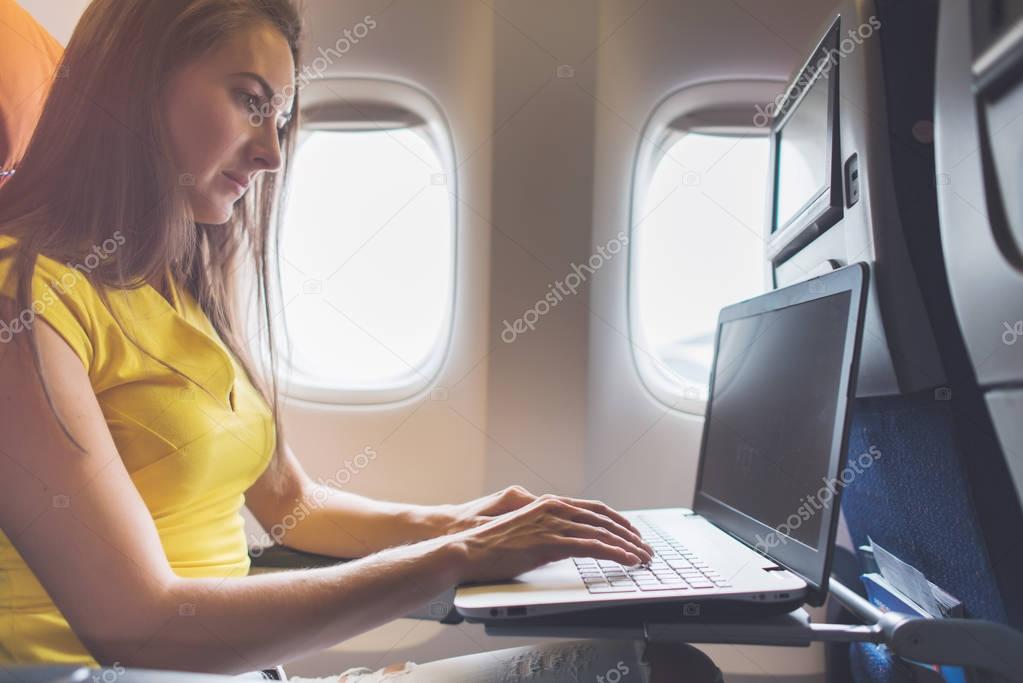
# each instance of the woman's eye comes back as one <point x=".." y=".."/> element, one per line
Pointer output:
<point x="250" y="101"/>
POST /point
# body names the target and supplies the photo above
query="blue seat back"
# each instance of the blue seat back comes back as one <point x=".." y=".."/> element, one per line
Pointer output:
<point x="940" y="497"/>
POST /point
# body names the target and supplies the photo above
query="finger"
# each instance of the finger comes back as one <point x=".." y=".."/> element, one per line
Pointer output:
<point x="521" y="496"/>
<point x="605" y="512"/>
<point x="523" y="491"/>
<point x="603" y="509"/>
<point x="515" y="493"/>
<point x="577" y="530"/>
<point x="561" y="509"/>
<point x="596" y="519"/>
<point x="506" y="500"/>
<point x="587" y="547"/>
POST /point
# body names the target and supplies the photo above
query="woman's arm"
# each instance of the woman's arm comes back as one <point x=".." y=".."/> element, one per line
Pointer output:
<point x="101" y="560"/>
<point x="317" y="518"/>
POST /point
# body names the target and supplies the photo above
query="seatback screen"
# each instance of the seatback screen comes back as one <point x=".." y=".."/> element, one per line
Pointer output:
<point x="802" y="165"/>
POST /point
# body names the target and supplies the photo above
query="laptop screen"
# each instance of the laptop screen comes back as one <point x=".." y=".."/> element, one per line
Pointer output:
<point x="776" y="422"/>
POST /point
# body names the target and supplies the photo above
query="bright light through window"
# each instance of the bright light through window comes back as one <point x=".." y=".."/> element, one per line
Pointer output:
<point x="367" y="261"/>
<point x="698" y="242"/>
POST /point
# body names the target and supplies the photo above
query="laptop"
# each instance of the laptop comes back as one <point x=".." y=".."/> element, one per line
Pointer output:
<point x="761" y="532"/>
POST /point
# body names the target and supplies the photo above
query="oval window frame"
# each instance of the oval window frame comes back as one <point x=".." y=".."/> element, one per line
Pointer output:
<point x="713" y="107"/>
<point x="374" y="104"/>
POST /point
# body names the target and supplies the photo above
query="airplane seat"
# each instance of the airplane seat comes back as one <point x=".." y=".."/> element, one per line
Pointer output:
<point x="29" y="61"/>
<point x="940" y="497"/>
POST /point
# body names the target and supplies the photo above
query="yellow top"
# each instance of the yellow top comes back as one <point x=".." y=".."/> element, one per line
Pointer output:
<point x="192" y="442"/>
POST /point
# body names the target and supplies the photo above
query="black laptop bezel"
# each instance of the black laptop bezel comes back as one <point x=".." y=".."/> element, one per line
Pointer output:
<point x="810" y="564"/>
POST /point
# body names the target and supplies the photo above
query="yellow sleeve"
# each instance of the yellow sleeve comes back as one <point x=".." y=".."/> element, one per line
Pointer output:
<point x="61" y="296"/>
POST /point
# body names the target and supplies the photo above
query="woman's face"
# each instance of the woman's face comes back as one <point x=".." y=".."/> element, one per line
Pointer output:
<point x="224" y="113"/>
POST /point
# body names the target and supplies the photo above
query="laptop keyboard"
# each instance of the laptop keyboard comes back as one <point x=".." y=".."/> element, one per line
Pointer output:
<point x="673" y="568"/>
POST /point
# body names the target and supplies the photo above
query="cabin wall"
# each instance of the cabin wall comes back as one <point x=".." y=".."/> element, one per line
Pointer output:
<point x="59" y="18"/>
<point x="543" y="191"/>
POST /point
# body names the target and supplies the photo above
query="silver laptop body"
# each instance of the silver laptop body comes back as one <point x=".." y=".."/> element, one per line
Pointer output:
<point x="762" y="526"/>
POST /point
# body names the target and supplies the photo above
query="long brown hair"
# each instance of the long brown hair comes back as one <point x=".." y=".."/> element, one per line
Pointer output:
<point x="99" y="163"/>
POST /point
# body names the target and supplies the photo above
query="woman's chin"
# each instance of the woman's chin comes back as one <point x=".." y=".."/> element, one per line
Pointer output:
<point x="216" y="215"/>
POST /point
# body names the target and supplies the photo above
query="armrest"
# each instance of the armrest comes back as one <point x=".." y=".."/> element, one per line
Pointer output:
<point x="76" y="674"/>
<point x="277" y="558"/>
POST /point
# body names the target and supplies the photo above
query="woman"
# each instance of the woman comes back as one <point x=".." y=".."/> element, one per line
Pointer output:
<point x="134" y="424"/>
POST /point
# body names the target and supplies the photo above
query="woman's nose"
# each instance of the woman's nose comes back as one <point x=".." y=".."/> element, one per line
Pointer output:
<point x="266" y="151"/>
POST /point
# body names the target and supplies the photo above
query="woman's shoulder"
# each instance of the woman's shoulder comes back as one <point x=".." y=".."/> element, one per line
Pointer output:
<point x="67" y="280"/>
<point x="61" y="295"/>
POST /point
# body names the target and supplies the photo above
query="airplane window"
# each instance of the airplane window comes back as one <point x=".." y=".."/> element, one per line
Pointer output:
<point x="367" y="263"/>
<point x="698" y="245"/>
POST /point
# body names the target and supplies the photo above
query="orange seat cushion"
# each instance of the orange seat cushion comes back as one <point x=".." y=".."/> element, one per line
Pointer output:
<point x="28" y="62"/>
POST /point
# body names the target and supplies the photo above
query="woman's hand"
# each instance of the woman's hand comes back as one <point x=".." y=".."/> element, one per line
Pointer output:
<point x="482" y="510"/>
<point x="544" y="530"/>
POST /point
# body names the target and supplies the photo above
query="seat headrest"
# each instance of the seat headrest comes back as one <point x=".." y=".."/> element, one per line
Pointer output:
<point x="28" y="61"/>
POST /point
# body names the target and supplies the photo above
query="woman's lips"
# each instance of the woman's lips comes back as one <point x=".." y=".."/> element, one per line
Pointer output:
<point x="239" y="186"/>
